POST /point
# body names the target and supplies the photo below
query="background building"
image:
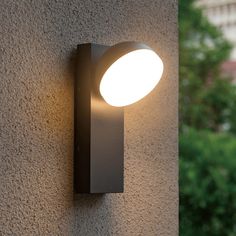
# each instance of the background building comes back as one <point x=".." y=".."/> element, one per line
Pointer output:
<point x="222" y="13"/>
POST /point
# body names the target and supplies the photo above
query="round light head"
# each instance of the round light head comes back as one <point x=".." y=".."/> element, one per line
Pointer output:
<point x="130" y="72"/>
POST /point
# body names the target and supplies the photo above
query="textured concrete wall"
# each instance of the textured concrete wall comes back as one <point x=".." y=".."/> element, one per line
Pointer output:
<point x="37" y="41"/>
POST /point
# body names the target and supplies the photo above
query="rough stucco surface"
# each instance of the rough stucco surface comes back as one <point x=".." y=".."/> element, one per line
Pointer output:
<point x="37" y="42"/>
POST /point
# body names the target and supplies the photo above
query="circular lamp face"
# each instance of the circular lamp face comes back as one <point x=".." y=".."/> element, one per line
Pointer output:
<point x="131" y="77"/>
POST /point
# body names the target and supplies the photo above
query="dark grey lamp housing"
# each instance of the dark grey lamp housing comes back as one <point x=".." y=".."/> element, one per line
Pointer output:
<point x="107" y="78"/>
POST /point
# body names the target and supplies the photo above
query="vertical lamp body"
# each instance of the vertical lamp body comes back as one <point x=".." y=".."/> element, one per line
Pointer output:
<point x="99" y="130"/>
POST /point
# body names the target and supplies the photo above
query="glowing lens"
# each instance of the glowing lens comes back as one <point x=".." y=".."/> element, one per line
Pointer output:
<point x="131" y="77"/>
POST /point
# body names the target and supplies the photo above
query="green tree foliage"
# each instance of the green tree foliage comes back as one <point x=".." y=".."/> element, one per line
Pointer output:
<point x="207" y="184"/>
<point x="207" y="100"/>
<point x="208" y="106"/>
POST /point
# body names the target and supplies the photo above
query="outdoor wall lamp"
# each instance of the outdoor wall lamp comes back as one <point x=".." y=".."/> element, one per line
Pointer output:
<point x="107" y="78"/>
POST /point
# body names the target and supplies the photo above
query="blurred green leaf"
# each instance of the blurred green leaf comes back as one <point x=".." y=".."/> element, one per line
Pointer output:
<point x="207" y="183"/>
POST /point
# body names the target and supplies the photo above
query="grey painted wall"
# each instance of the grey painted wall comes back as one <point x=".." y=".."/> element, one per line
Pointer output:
<point x="37" y="41"/>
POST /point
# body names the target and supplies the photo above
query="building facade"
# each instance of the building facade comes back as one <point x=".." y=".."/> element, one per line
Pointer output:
<point x="222" y="13"/>
<point x="37" y="54"/>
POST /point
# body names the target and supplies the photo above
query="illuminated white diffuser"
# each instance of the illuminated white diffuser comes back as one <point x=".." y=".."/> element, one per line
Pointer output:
<point x="131" y="77"/>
